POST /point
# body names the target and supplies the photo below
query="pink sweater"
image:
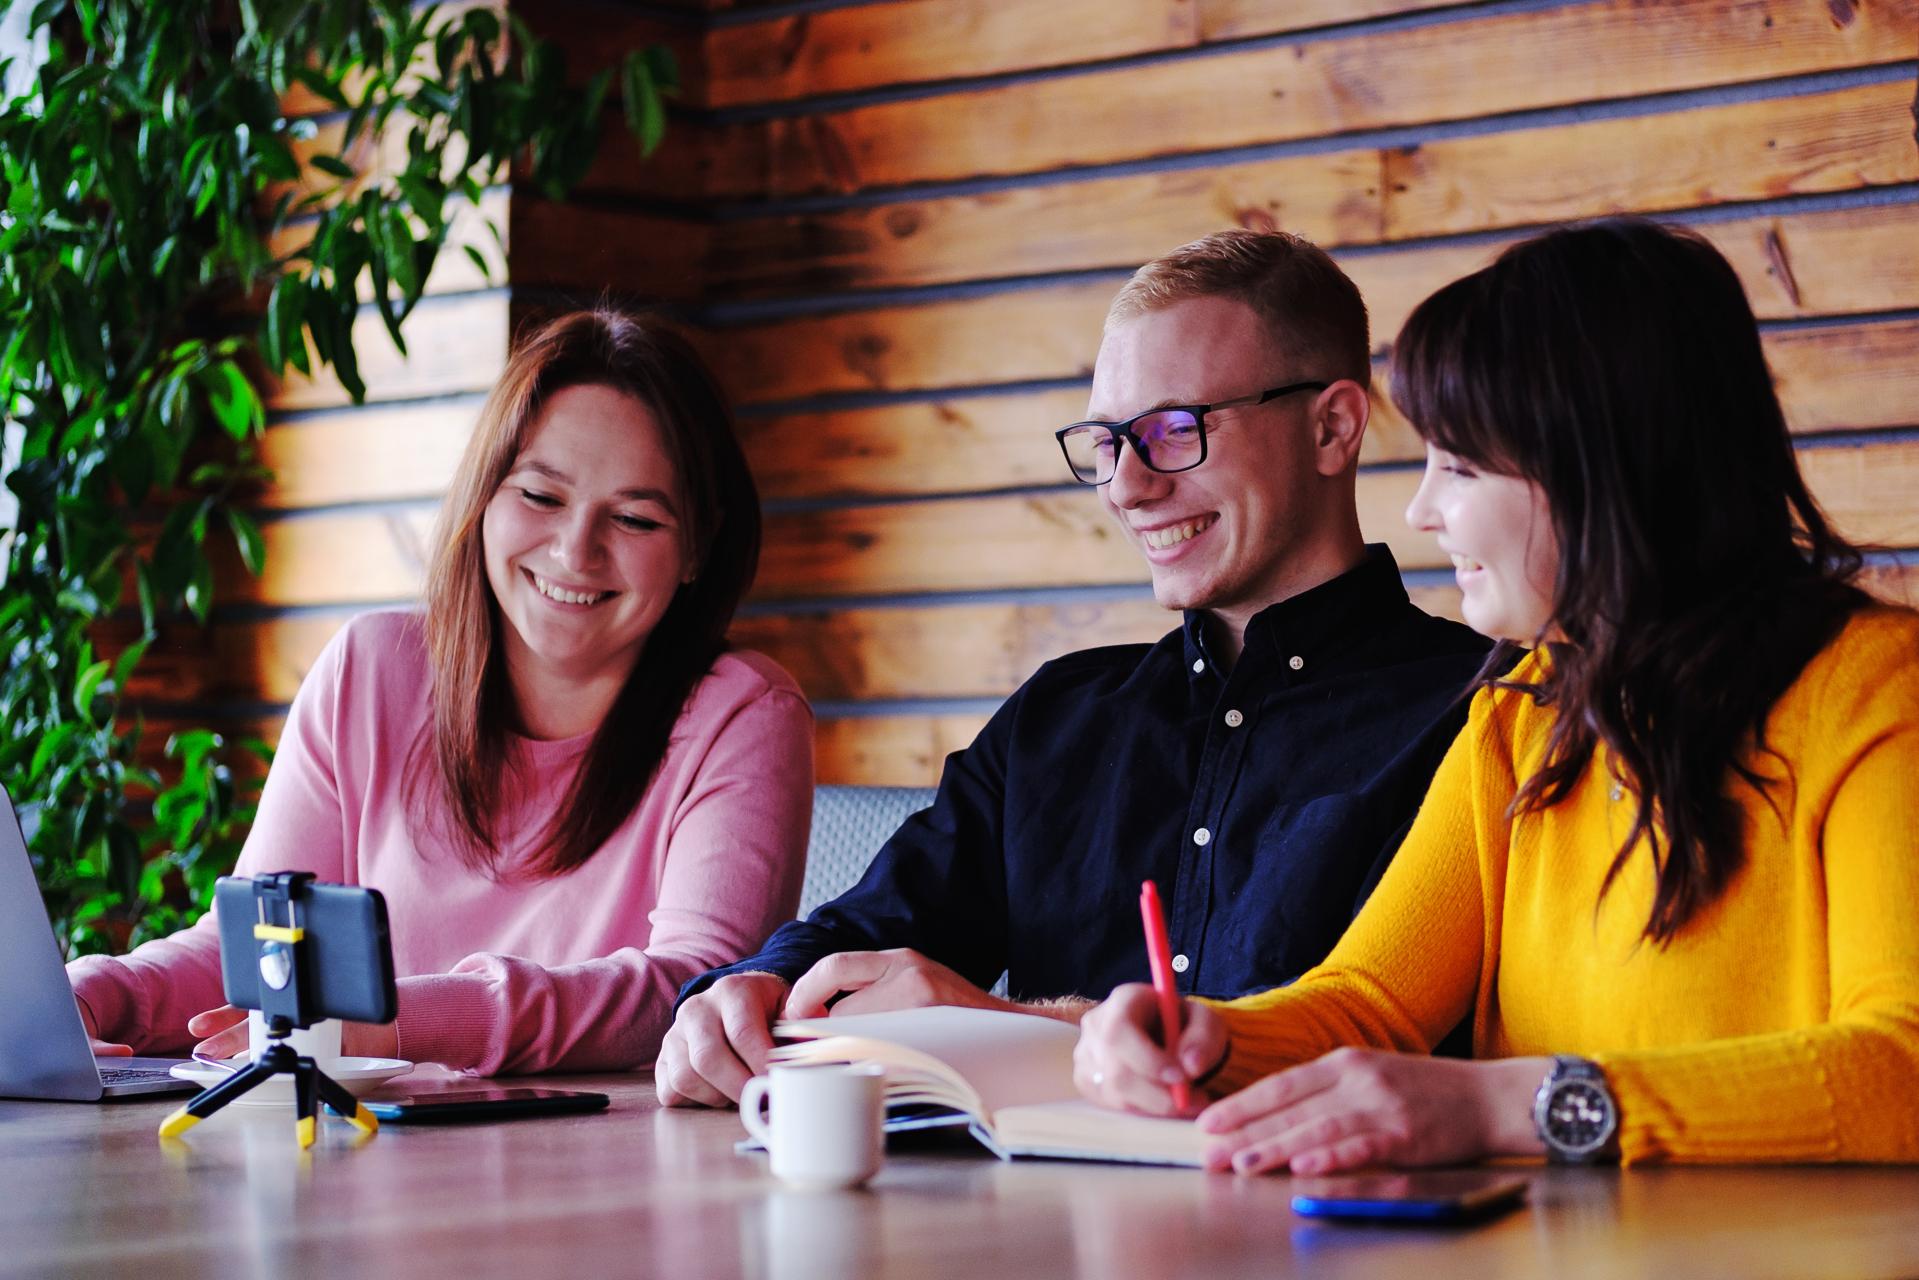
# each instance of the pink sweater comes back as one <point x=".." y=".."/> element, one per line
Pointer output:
<point x="576" y="973"/>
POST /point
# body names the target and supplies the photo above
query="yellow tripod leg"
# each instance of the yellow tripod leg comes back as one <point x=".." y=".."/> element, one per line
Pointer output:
<point x="364" y="1120"/>
<point x="306" y="1102"/>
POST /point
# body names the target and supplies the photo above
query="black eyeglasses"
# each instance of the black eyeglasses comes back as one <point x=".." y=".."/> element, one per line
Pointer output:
<point x="1166" y="440"/>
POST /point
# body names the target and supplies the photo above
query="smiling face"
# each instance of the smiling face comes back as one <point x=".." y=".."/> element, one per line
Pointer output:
<point x="1227" y="536"/>
<point x="1498" y="531"/>
<point x="583" y="541"/>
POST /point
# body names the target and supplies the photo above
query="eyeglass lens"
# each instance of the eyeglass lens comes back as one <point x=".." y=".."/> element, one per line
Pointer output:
<point x="1170" y="440"/>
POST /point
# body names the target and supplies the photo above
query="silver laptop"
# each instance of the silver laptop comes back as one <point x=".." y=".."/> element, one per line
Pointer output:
<point x="44" y="1052"/>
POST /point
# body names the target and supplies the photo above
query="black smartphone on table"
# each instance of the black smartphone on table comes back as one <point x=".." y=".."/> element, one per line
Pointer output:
<point x="457" y="1105"/>
<point x="1445" y="1196"/>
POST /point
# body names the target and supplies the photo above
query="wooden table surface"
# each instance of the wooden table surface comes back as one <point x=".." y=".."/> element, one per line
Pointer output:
<point x="87" y="1190"/>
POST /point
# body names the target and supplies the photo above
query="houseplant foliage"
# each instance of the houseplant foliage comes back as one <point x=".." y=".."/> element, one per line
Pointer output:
<point x="169" y="232"/>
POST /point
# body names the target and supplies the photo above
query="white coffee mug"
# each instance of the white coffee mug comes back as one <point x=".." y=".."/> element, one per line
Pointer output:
<point x="826" y="1128"/>
<point x="320" y="1042"/>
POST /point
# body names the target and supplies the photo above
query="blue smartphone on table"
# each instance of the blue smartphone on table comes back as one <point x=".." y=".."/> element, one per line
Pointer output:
<point x="492" y="1103"/>
<point x="1433" y="1197"/>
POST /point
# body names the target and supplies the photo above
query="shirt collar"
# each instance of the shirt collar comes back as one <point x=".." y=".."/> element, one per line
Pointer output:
<point x="1316" y="623"/>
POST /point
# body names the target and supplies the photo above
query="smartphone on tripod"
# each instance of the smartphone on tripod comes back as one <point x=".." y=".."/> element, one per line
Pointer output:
<point x="348" y="966"/>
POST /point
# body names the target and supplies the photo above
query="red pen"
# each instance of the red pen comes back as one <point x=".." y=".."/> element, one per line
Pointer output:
<point x="1159" y="955"/>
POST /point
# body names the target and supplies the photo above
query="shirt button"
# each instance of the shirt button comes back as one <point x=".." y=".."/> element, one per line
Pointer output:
<point x="1202" y="837"/>
<point x="1199" y="665"/>
<point x="1181" y="964"/>
<point x="1234" y="719"/>
<point x="1295" y="662"/>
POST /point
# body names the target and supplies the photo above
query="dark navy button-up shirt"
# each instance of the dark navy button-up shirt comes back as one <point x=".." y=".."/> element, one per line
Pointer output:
<point x="1264" y="801"/>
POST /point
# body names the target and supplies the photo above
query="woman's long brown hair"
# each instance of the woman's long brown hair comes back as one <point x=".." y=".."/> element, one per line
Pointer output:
<point x="464" y="757"/>
<point x="1618" y="366"/>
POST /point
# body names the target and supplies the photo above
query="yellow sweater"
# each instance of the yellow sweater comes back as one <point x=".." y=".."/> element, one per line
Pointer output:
<point x="1782" y="1024"/>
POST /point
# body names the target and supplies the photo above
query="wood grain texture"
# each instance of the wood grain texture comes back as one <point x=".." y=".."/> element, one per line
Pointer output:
<point x="1830" y="262"/>
<point x="1456" y="70"/>
<point x="909" y="41"/>
<point x="1838" y="141"/>
<point x="889" y="750"/>
<point x="1823" y="142"/>
<point x="334" y="557"/>
<point x="1072" y="226"/>
<point x="1234" y="19"/>
<point x="382" y="452"/>
<point x="1011" y="336"/>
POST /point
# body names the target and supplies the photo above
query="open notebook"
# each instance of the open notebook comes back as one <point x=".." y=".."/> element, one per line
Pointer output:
<point x="1010" y="1074"/>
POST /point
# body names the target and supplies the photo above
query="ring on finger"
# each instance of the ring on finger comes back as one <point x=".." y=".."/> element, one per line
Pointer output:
<point x="1099" y="1078"/>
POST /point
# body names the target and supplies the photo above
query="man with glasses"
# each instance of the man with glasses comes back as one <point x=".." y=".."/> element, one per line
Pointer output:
<point x="1259" y="763"/>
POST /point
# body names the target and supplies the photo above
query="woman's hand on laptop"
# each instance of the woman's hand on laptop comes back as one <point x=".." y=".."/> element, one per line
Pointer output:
<point x="101" y="1048"/>
<point x="224" y="1035"/>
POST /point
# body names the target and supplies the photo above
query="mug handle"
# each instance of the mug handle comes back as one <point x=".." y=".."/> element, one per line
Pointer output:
<point x="753" y="1099"/>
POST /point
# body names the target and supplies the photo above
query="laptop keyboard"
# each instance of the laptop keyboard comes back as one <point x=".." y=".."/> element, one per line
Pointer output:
<point x="131" y="1075"/>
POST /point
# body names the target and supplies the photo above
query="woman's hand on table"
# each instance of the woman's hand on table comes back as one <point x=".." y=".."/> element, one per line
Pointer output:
<point x="1354" y="1108"/>
<point x="223" y="1034"/>
<point x="1120" y="1061"/>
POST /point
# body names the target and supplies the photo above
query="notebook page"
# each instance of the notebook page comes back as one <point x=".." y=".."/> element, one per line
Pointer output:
<point x="1010" y="1059"/>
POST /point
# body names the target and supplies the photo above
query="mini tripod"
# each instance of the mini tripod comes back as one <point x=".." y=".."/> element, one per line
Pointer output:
<point x="286" y="998"/>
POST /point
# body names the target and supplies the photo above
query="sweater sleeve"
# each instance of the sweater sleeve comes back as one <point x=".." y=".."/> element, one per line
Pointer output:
<point x="1405" y="973"/>
<point x="1841" y="1090"/>
<point x="145" y="997"/>
<point x="733" y="868"/>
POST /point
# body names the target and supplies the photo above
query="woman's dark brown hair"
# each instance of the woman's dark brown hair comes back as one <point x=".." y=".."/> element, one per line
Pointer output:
<point x="1617" y="365"/>
<point x="465" y="756"/>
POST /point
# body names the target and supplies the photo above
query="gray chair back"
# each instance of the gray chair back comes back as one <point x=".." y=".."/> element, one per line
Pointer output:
<point x="849" y="826"/>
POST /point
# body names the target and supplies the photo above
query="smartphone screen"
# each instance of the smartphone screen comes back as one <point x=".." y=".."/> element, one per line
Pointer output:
<point x="1449" y="1195"/>
<point x="482" y="1104"/>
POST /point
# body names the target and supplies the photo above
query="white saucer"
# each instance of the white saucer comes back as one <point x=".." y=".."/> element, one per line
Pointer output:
<point x="360" y="1076"/>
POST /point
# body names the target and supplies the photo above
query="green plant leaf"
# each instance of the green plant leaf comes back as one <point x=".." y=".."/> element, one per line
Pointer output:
<point x="235" y="403"/>
<point x="50" y="746"/>
<point x="246" y="535"/>
<point x="645" y="112"/>
<point x="331" y="165"/>
<point x="87" y="686"/>
<point x="396" y="242"/>
<point x="199" y="591"/>
<point x="130" y="658"/>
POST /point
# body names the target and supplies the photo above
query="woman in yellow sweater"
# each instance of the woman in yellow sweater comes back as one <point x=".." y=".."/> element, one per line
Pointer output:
<point x="1671" y="866"/>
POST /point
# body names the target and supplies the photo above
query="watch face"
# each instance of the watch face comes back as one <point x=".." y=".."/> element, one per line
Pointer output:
<point x="1579" y="1115"/>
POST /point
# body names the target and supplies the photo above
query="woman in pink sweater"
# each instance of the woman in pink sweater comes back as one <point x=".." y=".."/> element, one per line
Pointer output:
<point x="572" y="794"/>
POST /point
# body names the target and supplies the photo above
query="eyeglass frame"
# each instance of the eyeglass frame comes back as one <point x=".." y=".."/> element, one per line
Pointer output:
<point x="1123" y="428"/>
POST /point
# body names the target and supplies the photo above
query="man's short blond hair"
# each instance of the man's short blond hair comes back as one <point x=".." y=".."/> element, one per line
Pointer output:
<point x="1317" y="316"/>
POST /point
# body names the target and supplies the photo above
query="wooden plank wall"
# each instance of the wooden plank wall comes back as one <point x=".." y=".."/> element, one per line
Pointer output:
<point x="896" y="225"/>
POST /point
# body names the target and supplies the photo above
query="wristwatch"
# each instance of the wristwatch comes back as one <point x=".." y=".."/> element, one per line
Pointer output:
<point x="1574" y="1112"/>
